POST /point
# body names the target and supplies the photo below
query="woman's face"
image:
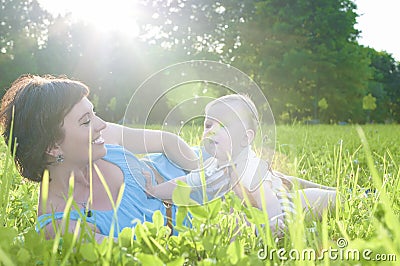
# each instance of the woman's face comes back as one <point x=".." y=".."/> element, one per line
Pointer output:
<point x="82" y="126"/>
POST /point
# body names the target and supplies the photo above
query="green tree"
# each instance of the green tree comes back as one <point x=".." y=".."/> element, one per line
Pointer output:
<point x="195" y="29"/>
<point x="369" y="104"/>
<point x="322" y="105"/>
<point x="384" y="86"/>
<point x="303" y="51"/>
<point x="300" y="52"/>
<point x="23" y="26"/>
<point x="58" y="55"/>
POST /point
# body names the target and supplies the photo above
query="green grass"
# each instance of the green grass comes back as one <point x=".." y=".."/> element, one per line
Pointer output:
<point x="342" y="156"/>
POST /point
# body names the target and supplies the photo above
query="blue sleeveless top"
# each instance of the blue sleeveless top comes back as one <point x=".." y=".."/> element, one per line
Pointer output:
<point x="134" y="203"/>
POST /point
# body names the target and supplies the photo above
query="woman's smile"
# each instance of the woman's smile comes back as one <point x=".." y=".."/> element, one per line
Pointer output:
<point x="98" y="141"/>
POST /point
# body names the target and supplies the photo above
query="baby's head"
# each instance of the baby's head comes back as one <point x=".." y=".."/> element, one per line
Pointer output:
<point x="230" y="126"/>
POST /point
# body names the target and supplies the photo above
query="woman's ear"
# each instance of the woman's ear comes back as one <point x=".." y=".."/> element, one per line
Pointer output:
<point x="248" y="138"/>
<point x="54" y="150"/>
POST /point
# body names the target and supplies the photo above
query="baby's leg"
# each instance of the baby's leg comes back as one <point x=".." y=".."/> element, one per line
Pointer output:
<point x="317" y="200"/>
<point x="302" y="183"/>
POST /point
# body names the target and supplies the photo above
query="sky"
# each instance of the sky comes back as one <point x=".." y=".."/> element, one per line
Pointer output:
<point x="377" y="21"/>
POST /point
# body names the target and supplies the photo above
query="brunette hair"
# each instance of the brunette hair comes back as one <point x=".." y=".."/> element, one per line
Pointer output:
<point x="31" y="116"/>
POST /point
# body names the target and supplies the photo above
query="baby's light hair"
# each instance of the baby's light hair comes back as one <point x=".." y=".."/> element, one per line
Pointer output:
<point x="251" y="114"/>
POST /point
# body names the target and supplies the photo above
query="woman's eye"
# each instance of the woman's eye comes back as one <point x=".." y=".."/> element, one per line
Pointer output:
<point x="86" y="123"/>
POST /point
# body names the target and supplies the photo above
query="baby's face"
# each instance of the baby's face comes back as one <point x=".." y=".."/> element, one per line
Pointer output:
<point x="224" y="132"/>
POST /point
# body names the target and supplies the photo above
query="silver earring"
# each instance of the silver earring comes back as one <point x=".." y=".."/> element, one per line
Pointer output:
<point x="60" y="158"/>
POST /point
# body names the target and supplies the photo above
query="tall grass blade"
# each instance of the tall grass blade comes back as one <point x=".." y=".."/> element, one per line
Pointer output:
<point x="4" y="259"/>
<point x="7" y="175"/>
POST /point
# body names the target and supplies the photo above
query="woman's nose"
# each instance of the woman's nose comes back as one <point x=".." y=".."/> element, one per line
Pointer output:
<point x="100" y="124"/>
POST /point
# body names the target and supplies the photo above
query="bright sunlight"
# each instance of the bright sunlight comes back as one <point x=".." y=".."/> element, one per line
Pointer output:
<point x="108" y="16"/>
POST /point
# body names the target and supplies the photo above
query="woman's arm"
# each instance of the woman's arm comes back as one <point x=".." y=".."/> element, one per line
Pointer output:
<point x="151" y="141"/>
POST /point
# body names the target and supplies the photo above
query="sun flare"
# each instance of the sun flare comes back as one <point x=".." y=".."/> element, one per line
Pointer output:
<point x="106" y="16"/>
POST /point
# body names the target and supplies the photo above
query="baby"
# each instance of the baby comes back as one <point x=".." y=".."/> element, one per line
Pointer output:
<point x="230" y="126"/>
<point x="229" y="129"/>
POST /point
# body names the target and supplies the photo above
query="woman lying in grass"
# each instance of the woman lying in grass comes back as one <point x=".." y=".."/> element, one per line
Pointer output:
<point x="51" y="124"/>
<point x="230" y="126"/>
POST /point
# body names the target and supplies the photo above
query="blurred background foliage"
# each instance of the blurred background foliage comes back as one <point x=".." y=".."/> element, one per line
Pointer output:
<point x="303" y="54"/>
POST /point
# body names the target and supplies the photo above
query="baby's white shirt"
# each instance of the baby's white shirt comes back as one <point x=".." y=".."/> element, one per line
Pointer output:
<point x="217" y="183"/>
<point x="252" y="172"/>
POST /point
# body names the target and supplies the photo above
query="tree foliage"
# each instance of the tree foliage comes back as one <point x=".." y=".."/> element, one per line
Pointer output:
<point x="384" y="85"/>
<point x="23" y="26"/>
<point x="303" y="54"/>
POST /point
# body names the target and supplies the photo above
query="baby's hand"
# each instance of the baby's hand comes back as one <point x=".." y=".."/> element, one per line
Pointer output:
<point x="149" y="188"/>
